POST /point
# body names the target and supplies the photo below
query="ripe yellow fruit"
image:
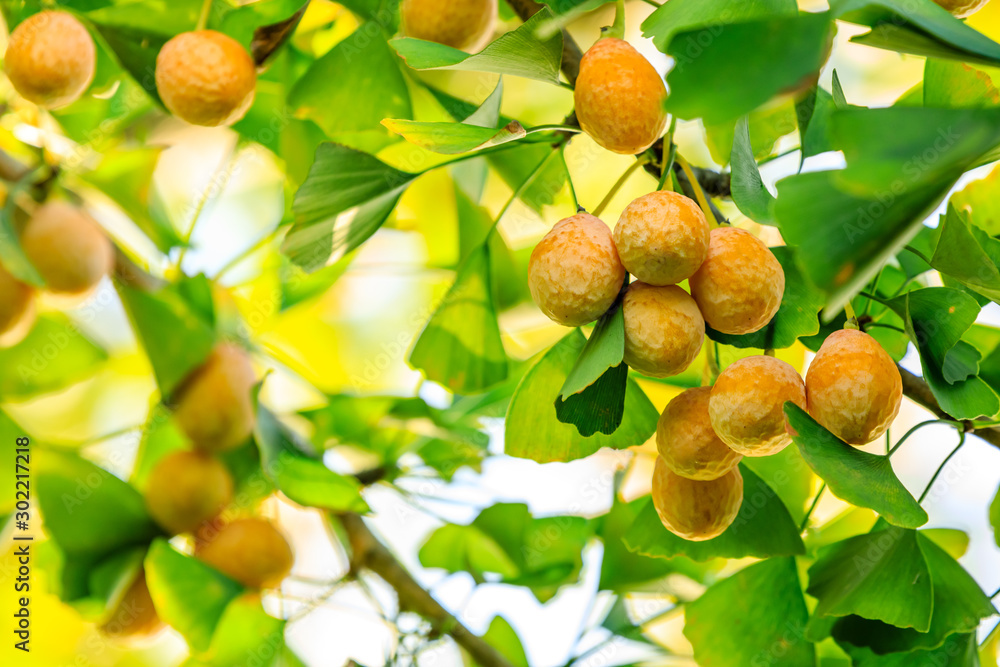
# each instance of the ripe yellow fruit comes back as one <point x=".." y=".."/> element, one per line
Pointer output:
<point x="696" y="510"/>
<point x="662" y="238"/>
<point x="740" y="285"/>
<point x="70" y="251"/>
<point x="134" y="616"/>
<point x="214" y="406"/>
<point x="186" y="489"/>
<point x="619" y="97"/>
<point x="462" y="24"/>
<point x="853" y="387"/>
<point x="574" y="273"/>
<point x="205" y="78"/>
<point x="747" y="404"/>
<point x="15" y="301"/>
<point x="962" y="8"/>
<point x="663" y="329"/>
<point x="250" y="551"/>
<point x="685" y="439"/>
<point x="50" y="59"/>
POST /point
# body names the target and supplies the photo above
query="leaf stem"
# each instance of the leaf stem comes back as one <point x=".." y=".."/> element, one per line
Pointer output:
<point x="618" y="185"/>
<point x="875" y="297"/>
<point x="919" y="426"/>
<point x="238" y="259"/>
<point x="868" y="303"/>
<point x="815" y="502"/>
<point x="961" y="441"/>
<point x="880" y="325"/>
<point x="699" y="193"/>
<point x="918" y="254"/>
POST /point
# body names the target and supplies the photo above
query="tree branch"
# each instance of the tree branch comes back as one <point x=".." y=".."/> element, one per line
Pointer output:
<point x="920" y="393"/>
<point x="367" y="552"/>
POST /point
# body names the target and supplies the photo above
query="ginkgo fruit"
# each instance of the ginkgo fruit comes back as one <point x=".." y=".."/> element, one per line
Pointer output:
<point x="50" y="59"/>
<point x="249" y="550"/>
<point x="853" y="387"/>
<point x="696" y="510"/>
<point x="662" y="238"/>
<point x="663" y="329"/>
<point x="739" y="286"/>
<point x="186" y="489"/>
<point x="619" y="97"/>
<point x="461" y="24"/>
<point x="574" y="273"/>
<point x="16" y="301"/>
<point x="747" y="404"/>
<point x="962" y="8"/>
<point x="68" y="248"/>
<point x="134" y="615"/>
<point x="686" y="441"/>
<point x="213" y="405"/>
<point x="205" y="78"/>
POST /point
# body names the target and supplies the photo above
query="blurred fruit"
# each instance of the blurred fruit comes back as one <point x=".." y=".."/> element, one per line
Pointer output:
<point x="462" y="24"/>
<point x="685" y="439"/>
<point x="962" y="8"/>
<point x="663" y="329"/>
<point x="50" y="59"/>
<point x="250" y="551"/>
<point x="70" y="251"/>
<point x="134" y="615"/>
<point x="853" y="387"/>
<point x="16" y="300"/>
<point x="662" y="238"/>
<point x="696" y="510"/>
<point x="185" y="489"/>
<point x="574" y="273"/>
<point x="205" y="78"/>
<point x="619" y="97"/>
<point x="747" y="404"/>
<point x="740" y="285"/>
<point x="213" y="405"/>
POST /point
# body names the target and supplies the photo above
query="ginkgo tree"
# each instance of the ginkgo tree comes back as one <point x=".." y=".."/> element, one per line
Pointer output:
<point x="681" y="337"/>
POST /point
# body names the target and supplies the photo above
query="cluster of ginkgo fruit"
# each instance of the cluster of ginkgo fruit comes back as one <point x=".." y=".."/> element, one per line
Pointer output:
<point x="575" y="275"/>
<point x="203" y="76"/>
<point x="187" y="490"/>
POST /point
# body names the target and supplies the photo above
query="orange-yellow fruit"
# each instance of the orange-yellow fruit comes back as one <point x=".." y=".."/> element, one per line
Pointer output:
<point x="740" y="285"/>
<point x="15" y="301"/>
<point x="662" y="238"/>
<point x="747" y="404"/>
<point x="574" y="273"/>
<point x="462" y="24"/>
<point x="619" y="97"/>
<point x="205" y="78"/>
<point x="50" y="59"/>
<point x="696" y="510"/>
<point x="685" y="439"/>
<point x="663" y="329"/>
<point x="962" y="8"/>
<point x="214" y="406"/>
<point x="250" y="551"/>
<point x="853" y="387"/>
<point x="185" y="489"/>
<point x="134" y="616"/>
<point x="70" y="251"/>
